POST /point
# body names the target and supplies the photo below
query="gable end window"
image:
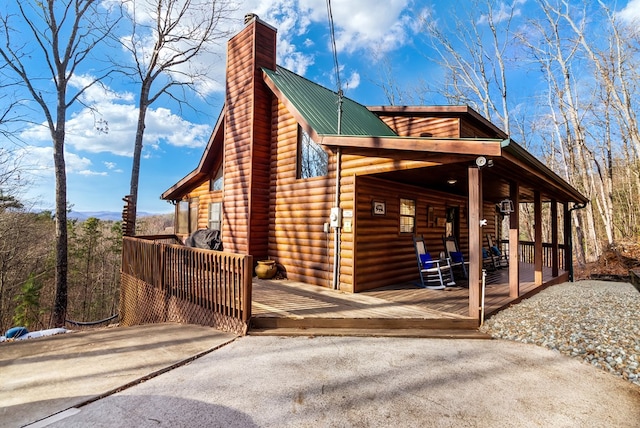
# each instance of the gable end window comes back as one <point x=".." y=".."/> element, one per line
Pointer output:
<point x="313" y="160"/>
<point x="216" y="182"/>
<point x="407" y="215"/>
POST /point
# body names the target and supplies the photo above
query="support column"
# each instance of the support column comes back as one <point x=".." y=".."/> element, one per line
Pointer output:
<point x="475" y="240"/>
<point x="537" y="234"/>
<point x="568" y="245"/>
<point x="554" y="238"/>
<point x="514" y="241"/>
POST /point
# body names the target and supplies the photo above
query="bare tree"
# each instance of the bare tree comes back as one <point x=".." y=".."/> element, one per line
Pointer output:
<point x="475" y="58"/>
<point x="592" y="86"/>
<point x="568" y="148"/>
<point x="54" y="39"/>
<point x="166" y="38"/>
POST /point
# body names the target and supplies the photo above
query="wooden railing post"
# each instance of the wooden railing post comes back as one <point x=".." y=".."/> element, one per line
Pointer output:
<point x="248" y="288"/>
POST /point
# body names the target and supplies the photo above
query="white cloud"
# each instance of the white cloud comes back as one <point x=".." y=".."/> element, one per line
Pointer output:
<point x="40" y="162"/>
<point x="89" y="172"/>
<point x="365" y="25"/>
<point x="112" y="166"/>
<point x="631" y="12"/>
<point x="164" y="126"/>
<point x="292" y="59"/>
<point x="97" y="93"/>
<point x="111" y="128"/>
<point x="354" y="81"/>
<point x="504" y="12"/>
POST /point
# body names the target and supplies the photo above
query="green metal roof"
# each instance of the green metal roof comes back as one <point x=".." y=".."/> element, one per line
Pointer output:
<point x="319" y="107"/>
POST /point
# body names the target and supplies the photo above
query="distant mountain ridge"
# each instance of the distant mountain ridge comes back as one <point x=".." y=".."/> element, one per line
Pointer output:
<point x="105" y="215"/>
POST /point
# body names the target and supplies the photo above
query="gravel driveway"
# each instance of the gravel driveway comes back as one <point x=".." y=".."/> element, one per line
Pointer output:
<point x="594" y="321"/>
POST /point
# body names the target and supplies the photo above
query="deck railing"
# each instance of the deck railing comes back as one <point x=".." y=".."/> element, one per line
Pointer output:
<point x="527" y="251"/>
<point x="166" y="281"/>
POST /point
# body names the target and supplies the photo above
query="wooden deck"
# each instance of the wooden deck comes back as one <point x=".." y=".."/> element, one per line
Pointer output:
<point x="404" y="309"/>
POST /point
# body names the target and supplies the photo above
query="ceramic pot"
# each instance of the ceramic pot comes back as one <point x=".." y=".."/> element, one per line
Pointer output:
<point x="266" y="269"/>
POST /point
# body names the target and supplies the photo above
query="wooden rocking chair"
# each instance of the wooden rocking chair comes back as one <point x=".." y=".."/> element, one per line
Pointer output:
<point x="454" y="254"/>
<point x="434" y="274"/>
<point x="499" y="258"/>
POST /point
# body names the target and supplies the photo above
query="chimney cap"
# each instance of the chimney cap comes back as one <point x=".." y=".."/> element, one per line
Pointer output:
<point x="250" y="17"/>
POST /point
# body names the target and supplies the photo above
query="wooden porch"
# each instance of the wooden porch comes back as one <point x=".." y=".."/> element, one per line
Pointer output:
<point x="287" y="307"/>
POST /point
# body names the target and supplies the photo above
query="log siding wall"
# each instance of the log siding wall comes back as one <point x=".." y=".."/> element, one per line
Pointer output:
<point x="299" y="208"/>
<point x="384" y="255"/>
<point x="439" y="127"/>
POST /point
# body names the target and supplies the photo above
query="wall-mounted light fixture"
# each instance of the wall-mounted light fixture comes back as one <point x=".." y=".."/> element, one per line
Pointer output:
<point x="506" y="206"/>
<point x="482" y="161"/>
<point x="451" y="181"/>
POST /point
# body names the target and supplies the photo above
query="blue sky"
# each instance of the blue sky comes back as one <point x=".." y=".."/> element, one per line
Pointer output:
<point x="370" y="35"/>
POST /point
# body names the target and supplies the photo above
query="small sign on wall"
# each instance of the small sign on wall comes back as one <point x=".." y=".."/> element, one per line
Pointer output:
<point x="378" y="208"/>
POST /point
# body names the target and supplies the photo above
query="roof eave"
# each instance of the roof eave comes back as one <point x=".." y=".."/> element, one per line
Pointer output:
<point x="519" y="152"/>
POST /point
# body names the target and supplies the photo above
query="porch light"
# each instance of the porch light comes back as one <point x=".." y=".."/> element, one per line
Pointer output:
<point x="482" y="161"/>
<point x="452" y="181"/>
<point x="506" y="206"/>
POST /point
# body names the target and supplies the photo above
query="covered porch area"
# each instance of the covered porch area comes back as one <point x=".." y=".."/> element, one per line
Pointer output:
<point x="511" y="200"/>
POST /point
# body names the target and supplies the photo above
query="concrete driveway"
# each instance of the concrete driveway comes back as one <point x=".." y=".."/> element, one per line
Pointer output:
<point x="363" y="382"/>
<point x="41" y="377"/>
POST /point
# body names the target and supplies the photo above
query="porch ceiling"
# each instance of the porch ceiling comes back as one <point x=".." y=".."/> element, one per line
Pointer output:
<point x="495" y="181"/>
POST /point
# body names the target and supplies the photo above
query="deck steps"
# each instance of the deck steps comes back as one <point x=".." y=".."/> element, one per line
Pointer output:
<point x="368" y="332"/>
<point x="363" y="323"/>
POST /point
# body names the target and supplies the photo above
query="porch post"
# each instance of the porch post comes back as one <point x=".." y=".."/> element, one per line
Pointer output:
<point x="568" y="245"/>
<point x="514" y="241"/>
<point x="554" y="238"/>
<point x="537" y="233"/>
<point x="475" y="240"/>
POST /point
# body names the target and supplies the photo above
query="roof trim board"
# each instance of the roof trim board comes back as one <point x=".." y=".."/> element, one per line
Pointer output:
<point x="475" y="146"/>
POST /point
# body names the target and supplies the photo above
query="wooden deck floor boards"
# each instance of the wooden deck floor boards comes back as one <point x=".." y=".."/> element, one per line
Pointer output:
<point x="283" y="299"/>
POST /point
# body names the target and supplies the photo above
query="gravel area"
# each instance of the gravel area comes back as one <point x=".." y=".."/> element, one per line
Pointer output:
<point x="594" y="321"/>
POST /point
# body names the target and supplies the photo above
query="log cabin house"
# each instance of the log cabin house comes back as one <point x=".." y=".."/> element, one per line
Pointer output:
<point x="337" y="200"/>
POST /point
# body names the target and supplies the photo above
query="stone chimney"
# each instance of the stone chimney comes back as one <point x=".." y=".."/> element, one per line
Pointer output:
<point x="247" y="145"/>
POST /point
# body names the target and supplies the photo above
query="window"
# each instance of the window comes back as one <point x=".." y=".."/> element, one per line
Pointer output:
<point x="313" y="161"/>
<point x="182" y="217"/>
<point x="215" y="215"/>
<point x="194" y="205"/>
<point x="187" y="216"/>
<point x="216" y="182"/>
<point x="407" y="215"/>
